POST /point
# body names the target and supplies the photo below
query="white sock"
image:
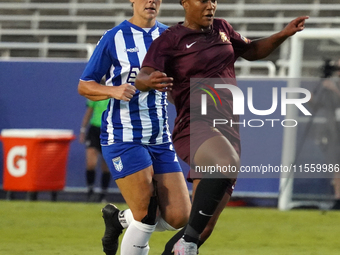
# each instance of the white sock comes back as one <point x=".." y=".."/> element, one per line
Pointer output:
<point x="125" y="218"/>
<point x="162" y="225"/>
<point x="136" y="238"/>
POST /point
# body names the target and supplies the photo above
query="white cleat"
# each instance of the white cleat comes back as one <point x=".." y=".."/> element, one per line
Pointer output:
<point x="185" y="248"/>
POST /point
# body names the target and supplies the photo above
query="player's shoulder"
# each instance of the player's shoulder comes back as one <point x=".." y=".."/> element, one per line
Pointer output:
<point x="107" y="36"/>
<point x="112" y="33"/>
<point x="117" y="29"/>
<point x="221" y="23"/>
<point x="174" y="31"/>
<point x="165" y="33"/>
<point x="161" y="26"/>
<point x="176" y="28"/>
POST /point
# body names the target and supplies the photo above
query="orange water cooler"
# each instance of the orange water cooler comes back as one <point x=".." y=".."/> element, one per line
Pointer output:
<point x="35" y="159"/>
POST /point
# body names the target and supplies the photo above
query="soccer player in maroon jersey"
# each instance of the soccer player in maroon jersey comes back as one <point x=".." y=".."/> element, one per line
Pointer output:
<point x="203" y="47"/>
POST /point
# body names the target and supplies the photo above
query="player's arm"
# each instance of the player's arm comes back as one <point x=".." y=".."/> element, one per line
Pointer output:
<point x="149" y="78"/>
<point x="84" y="123"/>
<point x="261" y="48"/>
<point x="96" y="92"/>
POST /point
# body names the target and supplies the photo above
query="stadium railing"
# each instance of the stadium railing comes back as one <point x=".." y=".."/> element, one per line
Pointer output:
<point x="40" y="23"/>
<point x="240" y="6"/>
<point x="245" y="68"/>
<point x="43" y="48"/>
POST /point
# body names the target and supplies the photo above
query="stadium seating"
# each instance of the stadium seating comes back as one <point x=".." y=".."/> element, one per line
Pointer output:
<point x="71" y="28"/>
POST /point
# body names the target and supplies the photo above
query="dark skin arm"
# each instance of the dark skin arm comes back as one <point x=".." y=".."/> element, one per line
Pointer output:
<point x="261" y="48"/>
<point x="84" y="123"/>
<point x="149" y="78"/>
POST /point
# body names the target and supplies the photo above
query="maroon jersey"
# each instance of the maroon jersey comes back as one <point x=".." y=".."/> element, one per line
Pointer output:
<point x="183" y="53"/>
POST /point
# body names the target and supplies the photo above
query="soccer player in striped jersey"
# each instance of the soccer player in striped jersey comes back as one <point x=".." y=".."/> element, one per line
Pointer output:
<point x="136" y="142"/>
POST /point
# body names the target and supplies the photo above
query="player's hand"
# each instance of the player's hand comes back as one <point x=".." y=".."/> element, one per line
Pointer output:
<point x="295" y="25"/>
<point x="160" y="81"/>
<point x="123" y="92"/>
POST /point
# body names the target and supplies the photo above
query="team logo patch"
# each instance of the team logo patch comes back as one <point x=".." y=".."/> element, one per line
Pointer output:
<point x="224" y="37"/>
<point x="118" y="164"/>
<point x="245" y="39"/>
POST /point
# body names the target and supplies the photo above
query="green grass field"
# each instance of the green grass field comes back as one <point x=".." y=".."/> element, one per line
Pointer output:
<point x="43" y="228"/>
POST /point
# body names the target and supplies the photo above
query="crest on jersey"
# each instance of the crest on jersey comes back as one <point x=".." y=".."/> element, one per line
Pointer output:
<point x="118" y="164"/>
<point x="224" y="37"/>
<point x="245" y="39"/>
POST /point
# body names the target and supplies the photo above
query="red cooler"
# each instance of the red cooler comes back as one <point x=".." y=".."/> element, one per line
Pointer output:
<point x="35" y="159"/>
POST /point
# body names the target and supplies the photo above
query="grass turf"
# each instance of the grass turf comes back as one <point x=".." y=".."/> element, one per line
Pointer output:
<point x="43" y="228"/>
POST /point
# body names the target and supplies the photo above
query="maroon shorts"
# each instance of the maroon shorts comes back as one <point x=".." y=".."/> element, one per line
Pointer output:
<point x="189" y="139"/>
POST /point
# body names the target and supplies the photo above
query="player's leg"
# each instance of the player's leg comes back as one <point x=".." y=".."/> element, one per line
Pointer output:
<point x="208" y="229"/>
<point x="105" y="181"/>
<point x="94" y="141"/>
<point x="174" y="204"/>
<point x="212" y="222"/>
<point x="331" y="151"/>
<point x="336" y="187"/>
<point x="174" y="199"/>
<point x="91" y="162"/>
<point x="134" y="178"/>
<point x="332" y="158"/>
<point x="93" y="150"/>
<point x="139" y="194"/>
<point x="210" y="191"/>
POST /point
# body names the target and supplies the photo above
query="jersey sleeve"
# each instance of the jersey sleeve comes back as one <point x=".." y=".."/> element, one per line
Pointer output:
<point x="100" y="61"/>
<point x="159" y="53"/>
<point x="239" y="42"/>
<point x="90" y="103"/>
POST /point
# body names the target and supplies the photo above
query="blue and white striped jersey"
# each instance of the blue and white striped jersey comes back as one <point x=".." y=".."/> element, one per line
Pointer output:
<point x="119" y="55"/>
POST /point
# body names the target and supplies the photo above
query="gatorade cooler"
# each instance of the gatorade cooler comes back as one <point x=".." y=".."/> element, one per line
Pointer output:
<point x="35" y="159"/>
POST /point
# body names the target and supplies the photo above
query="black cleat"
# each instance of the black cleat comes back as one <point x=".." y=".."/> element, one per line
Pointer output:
<point x="113" y="229"/>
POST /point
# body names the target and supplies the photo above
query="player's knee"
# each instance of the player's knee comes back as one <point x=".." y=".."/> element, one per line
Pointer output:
<point x="178" y="220"/>
<point x="171" y="225"/>
<point x="179" y="223"/>
<point x="231" y="160"/>
<point x="147" y="212"/>
<point x="178" y="217"/>
<point x="91" y="164"/>
<point x="151" y="213"/>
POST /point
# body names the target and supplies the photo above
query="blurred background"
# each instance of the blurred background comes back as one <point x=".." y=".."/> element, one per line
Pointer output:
<point x="44" y="47"/>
